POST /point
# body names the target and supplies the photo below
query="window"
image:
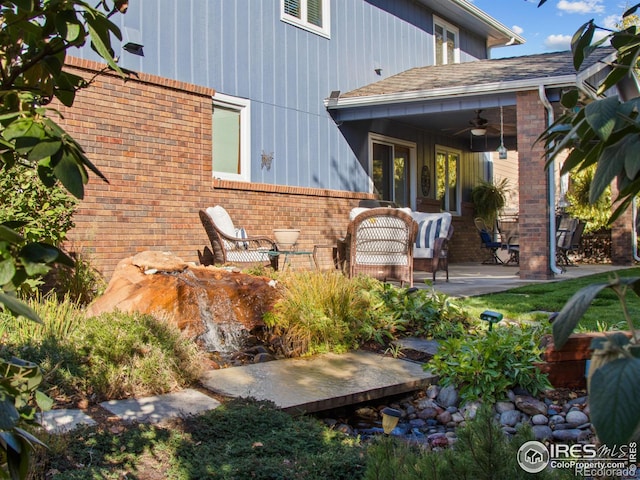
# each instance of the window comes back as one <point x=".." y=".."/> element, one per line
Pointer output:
<point x="231" y="138"/>
<point x="312" y="15"/>
<point x="447" y="174"/>
<point x="446" y="37"/>
<point x="391" y="167"/>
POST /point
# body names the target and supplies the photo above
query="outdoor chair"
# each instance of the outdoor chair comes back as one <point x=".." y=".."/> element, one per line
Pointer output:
<point x="568" y="239"/>
<point x="231" y="245"/>
<point x="379" y="243"/>
<point x="431" y="250"/>
<point x="487" y="242"/>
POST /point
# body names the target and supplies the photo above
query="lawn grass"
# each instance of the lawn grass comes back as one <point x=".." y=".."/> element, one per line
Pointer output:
<point x="530" y="302"/>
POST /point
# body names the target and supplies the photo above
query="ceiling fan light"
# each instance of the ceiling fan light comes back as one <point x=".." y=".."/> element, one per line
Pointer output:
<point x="478" y="132"/>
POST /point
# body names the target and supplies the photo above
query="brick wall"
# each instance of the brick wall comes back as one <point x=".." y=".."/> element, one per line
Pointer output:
<point x="151" y="138"/>
<point x="534" y="211"/>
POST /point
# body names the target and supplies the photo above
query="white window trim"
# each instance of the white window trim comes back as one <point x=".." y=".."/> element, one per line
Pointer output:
<point x="413" y="156"/>
<point x="443" y="149"/>
<point x="324" y="31"/>
<point x="448" y="27"/>
<point x="242" y="105"/>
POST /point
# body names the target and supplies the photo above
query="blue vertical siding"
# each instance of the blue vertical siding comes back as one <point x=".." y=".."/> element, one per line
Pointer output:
<point x="242" y="48"/>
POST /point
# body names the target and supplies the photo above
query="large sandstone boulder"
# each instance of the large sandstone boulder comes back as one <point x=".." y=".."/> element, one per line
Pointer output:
<point x="209" y="304"/>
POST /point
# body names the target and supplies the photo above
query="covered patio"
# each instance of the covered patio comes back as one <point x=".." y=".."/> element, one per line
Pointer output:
<point x="518" y="98"/>
<point x="471" y="279"/>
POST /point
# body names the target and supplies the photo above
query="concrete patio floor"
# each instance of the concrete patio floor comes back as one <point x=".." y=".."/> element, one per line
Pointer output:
<point x="471" y="279"/>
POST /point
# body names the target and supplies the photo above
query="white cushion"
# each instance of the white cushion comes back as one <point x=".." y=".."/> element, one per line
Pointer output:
<point x="430" y="227"/>
<point x="222" y="220"/>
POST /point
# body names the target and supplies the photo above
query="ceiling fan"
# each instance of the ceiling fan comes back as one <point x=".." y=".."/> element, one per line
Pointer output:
<point x="477" y="126"/>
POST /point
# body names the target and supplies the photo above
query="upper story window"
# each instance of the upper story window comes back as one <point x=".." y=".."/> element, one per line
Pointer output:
<point x="312" y="15"/>
<point x="231" y="138"/>
<point x="447" y="38"/>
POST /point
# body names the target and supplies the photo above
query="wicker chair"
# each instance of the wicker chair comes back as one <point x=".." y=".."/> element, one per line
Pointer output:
<point x="379" y="243"/>
<point x="231" y="247"/>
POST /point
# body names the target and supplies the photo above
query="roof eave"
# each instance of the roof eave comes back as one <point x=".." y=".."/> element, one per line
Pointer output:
<point x="448" y="92"/>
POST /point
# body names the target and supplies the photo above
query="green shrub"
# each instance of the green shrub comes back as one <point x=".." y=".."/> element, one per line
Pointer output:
<point x="47" y="211"/>
<point x="326" y="311"/>
<point x="320" y="312"/>
<point x="111" y="356"/>
<point x="82" y="283"/>
<point x="486" y="365"/>
<point x="595" y="214"/>
<point x="482" y="452"/>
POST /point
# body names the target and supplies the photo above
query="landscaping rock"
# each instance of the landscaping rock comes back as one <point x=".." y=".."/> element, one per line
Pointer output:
<point x="210" y="305"/>
<point x="568" y="435"/>
<point x="576" y="417"/>
<point x="542" y="432"/>
<point x="448" y="397"/>
<point x="530" y="405"/>
<point x="502" y="407"/>
<point x="510" y="418"/>
<point x="539" y="419"/>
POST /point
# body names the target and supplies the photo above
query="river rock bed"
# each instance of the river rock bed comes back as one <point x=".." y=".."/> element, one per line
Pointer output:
<point x="430" y="417"/>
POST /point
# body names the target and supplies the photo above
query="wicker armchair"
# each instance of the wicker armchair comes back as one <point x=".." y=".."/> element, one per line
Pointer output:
<point x="379" y="243"/>
<point x="230" y="245"/>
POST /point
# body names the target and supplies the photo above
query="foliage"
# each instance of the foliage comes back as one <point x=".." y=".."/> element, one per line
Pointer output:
<point x="614" y="391"/>
<point x="34" y="38"/>
<point x="596" y="215"/>
<point x="603" y="131"/>
<point x="82" y="283"/>
<point x="320" y="312"/>
<point x="110" y="356"/>
<point x="482" y="451"/>
<point x="241" y="439"/>
<point x="46" y="211"/>
<point x="19" y="382"/>
<point x="487" y="365"/>
<point x="489" y="199"/>
<point x="326" y="311"/>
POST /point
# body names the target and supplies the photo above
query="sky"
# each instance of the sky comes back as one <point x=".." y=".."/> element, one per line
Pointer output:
<point x="550" y="27"/>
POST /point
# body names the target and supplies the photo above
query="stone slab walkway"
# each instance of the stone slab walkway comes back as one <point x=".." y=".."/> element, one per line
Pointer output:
<point x="296" y="385"/>
<point x="306" y="385"/>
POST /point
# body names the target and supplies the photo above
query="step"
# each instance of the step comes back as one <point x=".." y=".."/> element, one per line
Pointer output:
<point x="321" y="382"/>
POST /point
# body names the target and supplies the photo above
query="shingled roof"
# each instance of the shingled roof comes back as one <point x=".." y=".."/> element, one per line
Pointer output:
<point x="501" y="70"/>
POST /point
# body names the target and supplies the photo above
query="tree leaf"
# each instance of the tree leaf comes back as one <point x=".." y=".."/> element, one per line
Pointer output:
<point x="10" y="235"/>
<point x="610" y="164"/>
<point x="68" y="172"/>
<point x="18" y="308"/>
<point x="44" y="149"/>
<point x="7" y="270"/>
<point x="614" y="398"/>
<point x="570" y="99"/>
<point x="9" y="416"/>
<point x="568" y="318"/>
<point x="581" y="43"/>
<point x="602" y="116"/>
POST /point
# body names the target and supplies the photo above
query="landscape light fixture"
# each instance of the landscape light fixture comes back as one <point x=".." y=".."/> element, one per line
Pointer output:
<point x="491" y="317"/>
<point x="390" y="418"/>
<point x="134" y="48"/>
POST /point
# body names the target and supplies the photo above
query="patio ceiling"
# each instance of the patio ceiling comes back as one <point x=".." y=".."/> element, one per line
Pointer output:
<point x="444" y="99"/>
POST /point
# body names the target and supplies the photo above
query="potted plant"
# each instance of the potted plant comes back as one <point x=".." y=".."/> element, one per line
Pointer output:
<point x="489" y="199"/>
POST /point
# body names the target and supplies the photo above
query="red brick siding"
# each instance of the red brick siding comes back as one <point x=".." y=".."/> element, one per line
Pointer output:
<point x="534" y="211"/>
<point x="151" y="138"/>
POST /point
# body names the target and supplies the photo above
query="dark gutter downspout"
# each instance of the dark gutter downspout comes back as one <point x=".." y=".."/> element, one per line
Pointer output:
<point x="552" y="189"/>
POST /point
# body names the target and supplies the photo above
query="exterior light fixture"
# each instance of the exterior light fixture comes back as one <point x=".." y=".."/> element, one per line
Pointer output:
<point x="390" y="418"/>
<point x="491" y="317"/>
<point x="502" y="151"/>
<point x="134" y="48"/>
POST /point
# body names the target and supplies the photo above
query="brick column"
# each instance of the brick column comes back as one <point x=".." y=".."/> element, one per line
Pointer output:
<point x="621" y="238"/>
<point x="533" y="185"/>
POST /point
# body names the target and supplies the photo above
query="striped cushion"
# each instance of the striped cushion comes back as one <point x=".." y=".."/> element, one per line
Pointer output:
<point x="430" y="227"/>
